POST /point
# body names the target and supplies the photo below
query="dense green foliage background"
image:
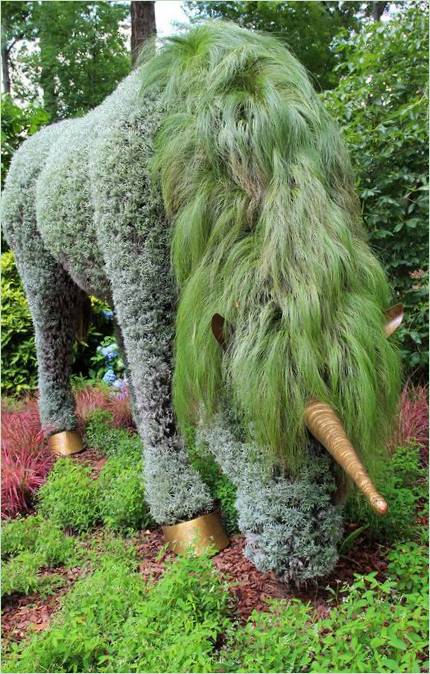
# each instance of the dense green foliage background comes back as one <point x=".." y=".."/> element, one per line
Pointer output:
<point x="307" y="28"/>
<point x="381" y="101"/>
<point x="65" y="57"/>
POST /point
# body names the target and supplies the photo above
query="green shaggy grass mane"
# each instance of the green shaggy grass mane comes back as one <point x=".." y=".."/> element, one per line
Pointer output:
<point x="268" y="233"/>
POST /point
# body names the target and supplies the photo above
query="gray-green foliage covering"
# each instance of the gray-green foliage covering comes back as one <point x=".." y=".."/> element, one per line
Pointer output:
<point x="266" y="231"/>
<point x="291" y="525"/>
<point x="100" y="220"/>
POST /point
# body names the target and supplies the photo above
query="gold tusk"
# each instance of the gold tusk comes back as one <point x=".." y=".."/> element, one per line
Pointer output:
<point x="327" y="428"/>
<point x="395" y="317"/>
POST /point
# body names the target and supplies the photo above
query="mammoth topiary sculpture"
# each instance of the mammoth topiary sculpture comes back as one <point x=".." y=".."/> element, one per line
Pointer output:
<point x="210" y="201"/>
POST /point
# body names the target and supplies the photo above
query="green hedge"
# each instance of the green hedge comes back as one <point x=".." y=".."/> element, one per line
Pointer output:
<point x="19" y="366"/>
<point x="381" y="101"/>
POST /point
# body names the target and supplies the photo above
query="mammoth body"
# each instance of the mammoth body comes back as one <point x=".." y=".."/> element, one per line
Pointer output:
<point x="84" y="215"/>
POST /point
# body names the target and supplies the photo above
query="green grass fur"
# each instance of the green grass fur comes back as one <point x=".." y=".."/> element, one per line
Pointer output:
<point x="268" y="233"/>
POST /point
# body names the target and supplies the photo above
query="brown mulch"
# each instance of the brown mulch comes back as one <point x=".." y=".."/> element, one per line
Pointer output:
<point x="92" y="458"/>
<point x="251" y="589"/>
<point x="152" y="553"/>
<point x="33" y="612"/>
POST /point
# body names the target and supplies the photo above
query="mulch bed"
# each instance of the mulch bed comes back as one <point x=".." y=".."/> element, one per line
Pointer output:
<point x="92" y="458"/>
<point x="251" y="589"/>
<point x="33" y="612"/>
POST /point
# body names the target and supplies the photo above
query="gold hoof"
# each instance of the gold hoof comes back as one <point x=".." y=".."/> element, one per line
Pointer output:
<point x="65" y="443"/>
<point x="197" y="534"/>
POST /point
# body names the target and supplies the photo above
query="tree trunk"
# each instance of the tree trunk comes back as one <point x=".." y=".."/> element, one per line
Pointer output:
<point x="142" y="25"/>
<point x="378" y="9"/>
<point x="5" y="69"/>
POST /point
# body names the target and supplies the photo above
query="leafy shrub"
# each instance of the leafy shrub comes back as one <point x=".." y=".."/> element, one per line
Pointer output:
<point x="112" y="621"/>
<point x="67" y="497"/>
<point x="28" y="545"/>
<point x="16" y="124"/>
<point x="19" y="363"/>
<point x="19" y="366"/>
<point x="41" y="537"/>
<point x="20" y="574"/>
<point x="19" y="535"/>
<point x="26" y="460"/>
<point x="402" y="481"/>
<point x="408" y="566"/>
<point x="372" y="630"/>
<point x="176" y="627"/>
<point x="71" y="499"/>
<point x="376" y="627"/>
<point x="121" y="495"/>
<point x="101" y="435"/>
<point x="277" y="641"/>
<point x="381" y="101"/>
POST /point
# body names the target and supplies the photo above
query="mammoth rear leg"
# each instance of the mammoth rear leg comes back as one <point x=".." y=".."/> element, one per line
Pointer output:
<point x="56" y="304"/>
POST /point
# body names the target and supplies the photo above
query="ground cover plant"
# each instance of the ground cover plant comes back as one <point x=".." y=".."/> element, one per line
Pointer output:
<point x="374" y="627"/>
<point x="29" y="544"/>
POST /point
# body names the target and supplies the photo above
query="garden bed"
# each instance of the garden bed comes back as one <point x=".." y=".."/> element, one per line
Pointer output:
<point x="377" y="587"/>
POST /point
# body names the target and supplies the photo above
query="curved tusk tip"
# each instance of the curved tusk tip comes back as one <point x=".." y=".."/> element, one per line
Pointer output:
<point x="380" y="506"/>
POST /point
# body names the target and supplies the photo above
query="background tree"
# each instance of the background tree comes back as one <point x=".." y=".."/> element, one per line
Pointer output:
<point x="16" y="124"/>
<point x="15" y="25"/>
<point x="82" y="54"/>
<point x="308" y="28"/>
<point x="142" y="25"/>
<point x="381" y="100"/>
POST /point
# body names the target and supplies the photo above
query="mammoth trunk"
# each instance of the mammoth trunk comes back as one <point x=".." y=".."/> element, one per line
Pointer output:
<point x="267" y="233"/>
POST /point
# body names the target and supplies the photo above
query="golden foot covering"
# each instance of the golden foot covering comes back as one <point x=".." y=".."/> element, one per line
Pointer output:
<point x="197" y="534"/>
<point x="65" y="443"/>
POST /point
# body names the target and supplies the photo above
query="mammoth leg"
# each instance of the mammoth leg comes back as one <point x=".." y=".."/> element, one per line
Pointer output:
<point x="291" y="525"/>
<point x="55" y="303"/>
<point x="144" y="307"/>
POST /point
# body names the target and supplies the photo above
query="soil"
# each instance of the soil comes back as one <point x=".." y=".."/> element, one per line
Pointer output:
<point x="92" y="458"/>
<point x="33" y="612"/>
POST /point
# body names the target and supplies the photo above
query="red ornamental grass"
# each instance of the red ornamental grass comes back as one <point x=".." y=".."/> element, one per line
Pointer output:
<point x="120" y="408"/>
<point x="26" y="460"/>
<point x="88" y="400"/>
<point x="413" y="420"/>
